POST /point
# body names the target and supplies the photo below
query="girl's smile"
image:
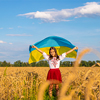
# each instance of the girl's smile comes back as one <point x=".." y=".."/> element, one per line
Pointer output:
<point x="52" y="52"/>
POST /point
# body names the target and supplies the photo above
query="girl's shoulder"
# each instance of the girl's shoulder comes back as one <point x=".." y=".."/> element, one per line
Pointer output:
<point x="45" y="53"/>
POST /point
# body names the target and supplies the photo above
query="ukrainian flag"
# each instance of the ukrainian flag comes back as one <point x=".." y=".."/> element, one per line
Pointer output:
<point x="62" y="45"/>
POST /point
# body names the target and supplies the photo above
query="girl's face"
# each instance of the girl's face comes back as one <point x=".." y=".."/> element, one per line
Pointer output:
<point x="52" y="52"/>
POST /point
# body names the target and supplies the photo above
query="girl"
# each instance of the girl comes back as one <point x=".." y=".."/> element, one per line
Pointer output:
<point x="54" y="62"/>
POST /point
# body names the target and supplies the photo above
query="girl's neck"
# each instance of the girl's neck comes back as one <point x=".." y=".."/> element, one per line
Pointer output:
<point x="54" y="56"/>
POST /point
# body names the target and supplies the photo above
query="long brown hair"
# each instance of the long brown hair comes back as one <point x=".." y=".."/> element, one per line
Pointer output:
<point x="50" y="56"/>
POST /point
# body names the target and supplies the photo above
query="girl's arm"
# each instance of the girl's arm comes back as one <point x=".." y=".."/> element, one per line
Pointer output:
<point x="44" y="54"/>
<point x="64" y="54"/>
<point x="75" y="48"/>
<point x="33" y="46"/>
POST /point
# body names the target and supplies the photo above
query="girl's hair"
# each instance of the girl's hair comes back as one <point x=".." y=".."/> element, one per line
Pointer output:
<point x="50" y="56"/>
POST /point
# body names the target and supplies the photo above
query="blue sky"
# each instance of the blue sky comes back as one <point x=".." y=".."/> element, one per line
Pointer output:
<point x="25" y="22"/>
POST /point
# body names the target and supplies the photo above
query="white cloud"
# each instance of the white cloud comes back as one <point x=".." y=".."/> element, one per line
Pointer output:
<point x="53" y="9"/>
<point x="18" y="34"/>
<point x="90" y="9"/>
<point x="10" y="43"/>
<point x="19" y="27"/>
<point x="1" y="28"/>
<point x="97" y="30"/>
<point x="10" y="28"/>
<point x="2" y="41"/>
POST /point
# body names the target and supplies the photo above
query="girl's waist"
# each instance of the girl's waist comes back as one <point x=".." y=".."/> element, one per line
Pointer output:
<point x="54" y="68"/>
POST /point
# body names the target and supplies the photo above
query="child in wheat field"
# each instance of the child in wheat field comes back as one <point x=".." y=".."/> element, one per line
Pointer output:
<point x="54" y="63"/>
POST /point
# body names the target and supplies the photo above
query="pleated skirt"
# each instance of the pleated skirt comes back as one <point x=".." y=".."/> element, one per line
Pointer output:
<point x="54" y="74"/>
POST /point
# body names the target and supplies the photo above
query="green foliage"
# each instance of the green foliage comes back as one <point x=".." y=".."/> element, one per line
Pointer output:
<point x="44" y="63"/>
<point x="31" y="92"/>
<point x="97" y="61"/>
<point x="5" y="71"/>
<point x="46" y="94"/>
<point x="0" y="63"/>
<point x="87" y="63"/>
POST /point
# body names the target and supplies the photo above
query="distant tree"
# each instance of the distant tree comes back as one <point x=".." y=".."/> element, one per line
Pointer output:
<point x="89" y="63"/>
<point x="17" y="63"/>
<point x="33" y="64"/>
<point x="66" y="64"/>
<point x="8" y="64"/>
<point x="93" y="62"/>
<point x="11" y="65"/>
<point x="97" y="61"/>
<point x="0" y="63"/>
<point x="61" y="63"/>
<point x="83" y="63"/>
<point x="46" y="63"/>
<point x="37" y="64"/>
<point x="40" y="63"/>
<point x="72" y="63"/>
<point x="21" y="64"/>
<point x="4" y="64"/>
<point x="24" y="64"/>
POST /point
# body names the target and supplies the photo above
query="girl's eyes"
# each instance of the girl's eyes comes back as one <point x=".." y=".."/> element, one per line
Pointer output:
<point x="52" y="52"/>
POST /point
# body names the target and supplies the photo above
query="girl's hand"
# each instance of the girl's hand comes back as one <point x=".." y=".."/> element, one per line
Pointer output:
<point x="33" y="46"/>
<point x="76" y="48"/>
<point x="71" y="50"/>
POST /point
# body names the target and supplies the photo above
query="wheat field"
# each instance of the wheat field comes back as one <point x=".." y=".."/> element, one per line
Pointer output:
<point x="17" y="76"/>
<point x="29" y="83"/>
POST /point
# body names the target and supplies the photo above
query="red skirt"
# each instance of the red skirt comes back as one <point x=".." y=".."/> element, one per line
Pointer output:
<point x="54" y="74"/>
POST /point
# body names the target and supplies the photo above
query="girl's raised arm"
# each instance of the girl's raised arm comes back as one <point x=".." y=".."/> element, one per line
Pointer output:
<point x="75" y="48"/>
<point x="33" y="46"/>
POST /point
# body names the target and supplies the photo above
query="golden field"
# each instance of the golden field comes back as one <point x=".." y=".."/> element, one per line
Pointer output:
<point x="43" y="71"/>
<point x="29" y="83"/>
<point x="16" y="77"/>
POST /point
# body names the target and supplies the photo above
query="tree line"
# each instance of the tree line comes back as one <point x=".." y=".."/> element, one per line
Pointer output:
<point x="44" y="63"/>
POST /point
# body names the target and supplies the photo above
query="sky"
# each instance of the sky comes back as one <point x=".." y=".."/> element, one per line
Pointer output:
<point x="25" y="22"/>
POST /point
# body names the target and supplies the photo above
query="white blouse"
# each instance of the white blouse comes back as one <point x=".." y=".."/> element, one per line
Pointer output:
<point x="53" y="63"/>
